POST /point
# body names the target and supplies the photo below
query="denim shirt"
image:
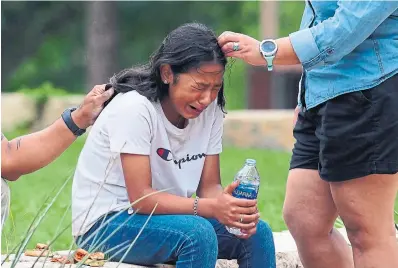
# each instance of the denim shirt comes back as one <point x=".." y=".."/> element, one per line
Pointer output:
<point x="345" y="46"/>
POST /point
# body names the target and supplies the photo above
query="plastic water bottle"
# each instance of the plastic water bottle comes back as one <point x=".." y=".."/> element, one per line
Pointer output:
<point x="249" y="183"/>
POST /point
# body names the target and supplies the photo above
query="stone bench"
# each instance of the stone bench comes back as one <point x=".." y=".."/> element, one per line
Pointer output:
<point x="285" y="247"/>
<point x="286" y="257"/>
<point x="265" y="129"/>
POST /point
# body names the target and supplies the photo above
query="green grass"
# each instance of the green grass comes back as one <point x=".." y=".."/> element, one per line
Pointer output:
<point x="29" y="193"/>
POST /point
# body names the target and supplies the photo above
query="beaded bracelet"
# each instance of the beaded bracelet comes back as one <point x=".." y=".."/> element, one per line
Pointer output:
<point x="195" y="206"/>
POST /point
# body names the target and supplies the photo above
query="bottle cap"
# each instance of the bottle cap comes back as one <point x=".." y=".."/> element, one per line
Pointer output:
<point x="251" y="162"/>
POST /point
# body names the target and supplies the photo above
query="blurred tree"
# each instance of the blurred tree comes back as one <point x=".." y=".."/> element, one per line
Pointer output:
<point x="101" y="41"/>
<point x="25" y="28"/>
<point x="46" y="41"/>
<point x="54" y="41"/>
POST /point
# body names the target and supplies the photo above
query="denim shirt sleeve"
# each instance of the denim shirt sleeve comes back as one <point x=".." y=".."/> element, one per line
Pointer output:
<point x="332" y="39"/>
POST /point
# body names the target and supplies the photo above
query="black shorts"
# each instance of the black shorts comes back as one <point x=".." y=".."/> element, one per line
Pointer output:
<point x="350" y="136"/>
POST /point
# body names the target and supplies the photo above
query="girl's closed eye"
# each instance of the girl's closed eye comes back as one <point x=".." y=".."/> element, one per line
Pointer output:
<point x="197" y="88"/>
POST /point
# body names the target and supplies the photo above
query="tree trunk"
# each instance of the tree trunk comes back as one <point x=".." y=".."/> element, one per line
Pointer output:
<point x="101" y="42"/>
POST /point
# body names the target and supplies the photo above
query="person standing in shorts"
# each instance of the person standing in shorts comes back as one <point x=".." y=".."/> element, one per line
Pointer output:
<point x="345" y="159"/>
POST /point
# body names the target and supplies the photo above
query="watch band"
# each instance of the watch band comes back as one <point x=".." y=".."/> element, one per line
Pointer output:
<point x="67" y="117"/>
<point x="269" y="61"/>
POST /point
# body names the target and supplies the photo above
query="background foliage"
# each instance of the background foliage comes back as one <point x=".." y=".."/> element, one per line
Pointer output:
<point x="49" y="41"/>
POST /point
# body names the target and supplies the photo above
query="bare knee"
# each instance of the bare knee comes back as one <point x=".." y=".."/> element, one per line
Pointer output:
<point x="367" y="217"/>
<point x="305" y="224"/>
<point x="364" y="237"/>
<point x="308" y="210"/>
<point x="360" y="240"/>
<point x="297" y="221"/>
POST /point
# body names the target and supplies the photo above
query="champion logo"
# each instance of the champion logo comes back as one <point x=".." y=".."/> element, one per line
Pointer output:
<point x="166" y="155"/>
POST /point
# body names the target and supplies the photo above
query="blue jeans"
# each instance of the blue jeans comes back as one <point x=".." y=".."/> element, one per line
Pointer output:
<point x="185" y="240"/>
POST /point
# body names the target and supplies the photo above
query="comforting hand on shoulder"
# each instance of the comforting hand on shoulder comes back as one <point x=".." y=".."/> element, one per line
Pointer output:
<point x="92" y="106"/>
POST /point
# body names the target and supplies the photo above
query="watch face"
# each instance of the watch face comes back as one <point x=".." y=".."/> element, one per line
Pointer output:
<point x="268" y="46"/>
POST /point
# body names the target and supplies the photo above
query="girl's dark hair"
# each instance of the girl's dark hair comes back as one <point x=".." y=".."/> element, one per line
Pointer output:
<point x="185" y="48"/>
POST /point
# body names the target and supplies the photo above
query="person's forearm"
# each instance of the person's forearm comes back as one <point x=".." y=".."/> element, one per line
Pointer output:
<point x="333" y="38"/>
<point x="173" y="204"/>
<point x="285" y="54"/>
<point x="31" y="152"/>
<point x="210" y="192"/>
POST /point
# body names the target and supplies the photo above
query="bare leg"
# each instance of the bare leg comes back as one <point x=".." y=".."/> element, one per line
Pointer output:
<point x="309" y="213"/>
<point x="366" y="206"/>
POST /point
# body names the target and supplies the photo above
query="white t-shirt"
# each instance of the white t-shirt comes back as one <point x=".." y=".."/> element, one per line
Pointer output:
<point x="133" y="124"/>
